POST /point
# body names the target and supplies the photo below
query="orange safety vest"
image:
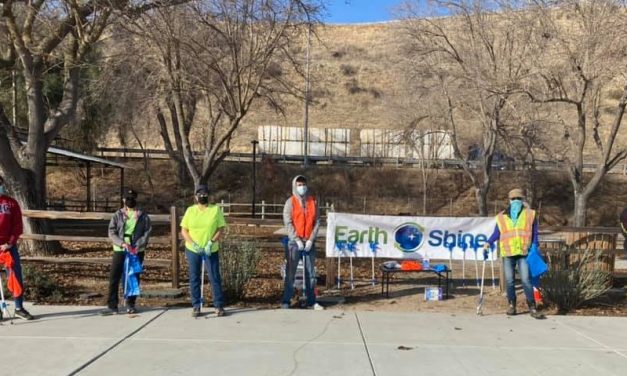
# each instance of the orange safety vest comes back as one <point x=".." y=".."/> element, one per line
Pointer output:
<point x="515" y="239"/>
<point x="304" y="220"/>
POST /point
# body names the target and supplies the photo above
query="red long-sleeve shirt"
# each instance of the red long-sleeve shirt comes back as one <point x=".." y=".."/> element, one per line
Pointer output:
<point x="11" y="227"/>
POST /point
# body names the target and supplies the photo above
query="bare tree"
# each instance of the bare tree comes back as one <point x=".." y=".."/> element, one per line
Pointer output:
<point x="468" y="64"/>
<point x="218" y="57"/>
<point x="41" y="33"/>
<point x="578" y="74"/>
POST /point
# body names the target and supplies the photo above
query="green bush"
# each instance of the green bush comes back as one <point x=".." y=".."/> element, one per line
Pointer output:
<point x="238" y="264"/>
<point x="570" y="287"/>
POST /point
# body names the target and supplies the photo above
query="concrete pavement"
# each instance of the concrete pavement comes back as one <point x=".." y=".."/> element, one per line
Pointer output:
<point x="75" y="340"/>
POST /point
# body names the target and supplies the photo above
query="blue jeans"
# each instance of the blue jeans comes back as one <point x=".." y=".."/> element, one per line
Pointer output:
<point x="509" y="266"/>
<point x="194" y="261"/>
<point x="290" y="273"/>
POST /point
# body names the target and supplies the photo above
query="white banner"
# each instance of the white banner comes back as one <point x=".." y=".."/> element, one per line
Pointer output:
<point x="407" y="237"/>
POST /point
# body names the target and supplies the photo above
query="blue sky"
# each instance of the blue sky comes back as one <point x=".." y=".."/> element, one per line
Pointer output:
<point x="356" y="11"/>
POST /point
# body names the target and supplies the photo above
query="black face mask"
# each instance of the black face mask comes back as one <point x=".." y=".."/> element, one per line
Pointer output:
<point x="130" y="202"/>
<point x="203" y="200"/>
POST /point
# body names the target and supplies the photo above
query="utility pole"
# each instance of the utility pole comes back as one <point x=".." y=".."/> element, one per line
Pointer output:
<point x="254" y="142"/>
<point x="307" y="87"/>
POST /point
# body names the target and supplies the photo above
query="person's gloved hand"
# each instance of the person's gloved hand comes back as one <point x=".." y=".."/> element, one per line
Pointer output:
<point x="300" y="245"/>
<point x="133" y="250"/>
<point x="196" y="248"/>
<point x="207" y="249"/>
<point x="308" y="245"/>
<point x="485" y="254"/>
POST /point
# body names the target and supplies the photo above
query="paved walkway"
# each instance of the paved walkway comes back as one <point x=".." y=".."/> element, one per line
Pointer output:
<point x="74" y="340"/>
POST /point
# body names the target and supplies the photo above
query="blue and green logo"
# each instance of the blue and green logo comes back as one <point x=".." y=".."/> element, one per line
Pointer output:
<point x="409" y="237"/>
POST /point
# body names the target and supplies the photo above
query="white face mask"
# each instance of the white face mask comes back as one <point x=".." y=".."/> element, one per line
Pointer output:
<point x="3" y="190"/>
<point x="301" y="189"/>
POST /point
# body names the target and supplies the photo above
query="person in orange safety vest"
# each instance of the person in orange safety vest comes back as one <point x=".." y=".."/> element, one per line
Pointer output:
<point x="301" y="217"/>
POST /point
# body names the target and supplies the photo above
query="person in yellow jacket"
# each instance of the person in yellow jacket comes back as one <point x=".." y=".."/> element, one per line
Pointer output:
<point x="516" y="231"/>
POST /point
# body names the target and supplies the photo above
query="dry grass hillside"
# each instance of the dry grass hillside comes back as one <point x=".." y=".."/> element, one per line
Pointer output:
<point x="357" y="82"/>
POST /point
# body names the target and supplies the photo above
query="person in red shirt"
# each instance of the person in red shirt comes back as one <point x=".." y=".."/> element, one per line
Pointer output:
<point x="10" y="231"/>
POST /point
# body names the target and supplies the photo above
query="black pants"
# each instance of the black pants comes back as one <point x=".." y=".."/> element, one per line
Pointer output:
<point x="117" y="268"/>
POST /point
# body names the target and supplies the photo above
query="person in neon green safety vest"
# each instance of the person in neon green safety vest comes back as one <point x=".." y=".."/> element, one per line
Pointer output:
<point x="516" y="231"/>
<point x="202" y="227"/>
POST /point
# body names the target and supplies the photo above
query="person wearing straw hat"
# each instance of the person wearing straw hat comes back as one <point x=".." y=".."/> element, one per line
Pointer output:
<point x="516" y="231"/>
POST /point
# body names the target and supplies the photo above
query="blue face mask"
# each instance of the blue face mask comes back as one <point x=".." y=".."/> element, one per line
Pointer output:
<point x="515" y="207"/>
<point x="3" y="190"/>
<point x="301" y="189"/>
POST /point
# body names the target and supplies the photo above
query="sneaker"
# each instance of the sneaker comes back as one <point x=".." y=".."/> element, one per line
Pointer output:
<point x="285" y="306"/>
<point x="195" y="312"/>
<point x="23" y="313"/>
<point x="318" y="307"/>
<point x="220" y="312"/>
<point x="535" y="314"/>
<point x="109" y="312"/>
<point x="511" y="309"/>
<point x="131" y="310"/>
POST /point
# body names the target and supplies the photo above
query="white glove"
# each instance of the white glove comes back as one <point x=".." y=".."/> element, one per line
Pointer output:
<point x="300" y="245"/>
<point x="208" y="248"/>
<point x="308" y="245"/>
<point x="196" y="248"/>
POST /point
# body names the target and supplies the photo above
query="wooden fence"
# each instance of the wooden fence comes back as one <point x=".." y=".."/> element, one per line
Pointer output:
<point x="171" y="219"/>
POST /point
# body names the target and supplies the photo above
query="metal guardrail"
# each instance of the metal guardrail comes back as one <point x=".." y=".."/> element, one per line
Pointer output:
<point x="129" y="153"/>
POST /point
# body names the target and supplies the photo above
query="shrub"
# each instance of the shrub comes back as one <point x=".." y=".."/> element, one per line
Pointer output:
<point x="238" y="264"/>
<point x="571" y="287"/>
<point x="348" y="70"/>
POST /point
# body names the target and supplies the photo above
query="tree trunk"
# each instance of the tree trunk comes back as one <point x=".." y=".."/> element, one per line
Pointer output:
<point x="33" y="198"/>
<point x="481" y="194"/>
<point x="581" y="204"/>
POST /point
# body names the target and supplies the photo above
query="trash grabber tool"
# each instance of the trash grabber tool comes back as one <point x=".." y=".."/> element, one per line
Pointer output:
<point x="202" y="280"/>
<point x="492" y="266"/>
<point x="474" y="248"/>
<point x="373" y="248"/>
<point x="464" y="246"/>
<point x="3" y="303"/>
<point x="303" y="253"/>
<point x="126" y="267"/>
<point x="450" y="247"/>
<point x="351" y="251"/>
<point x="340" y="247"/>
<point x="480" y="303"/>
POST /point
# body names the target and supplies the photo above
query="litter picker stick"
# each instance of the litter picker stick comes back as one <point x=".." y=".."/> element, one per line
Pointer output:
<point x="339" y="246"/>
<point x="476" y="264"/>
<point x="480" y="303"/>
<point x="450" y="247"/>
<point x="3" y="302"/>
<point x="464" y="264"/>
<point x="126" y="266"/>
<point x="202" y="280"/>
<point x="304" y="277"/>
<point x="373" y="248"/>
<point x="492" y="266"/>
<point x="351" y="250"/>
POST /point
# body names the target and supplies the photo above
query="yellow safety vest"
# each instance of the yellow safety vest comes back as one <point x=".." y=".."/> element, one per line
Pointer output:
<point x="515" y="239"/>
